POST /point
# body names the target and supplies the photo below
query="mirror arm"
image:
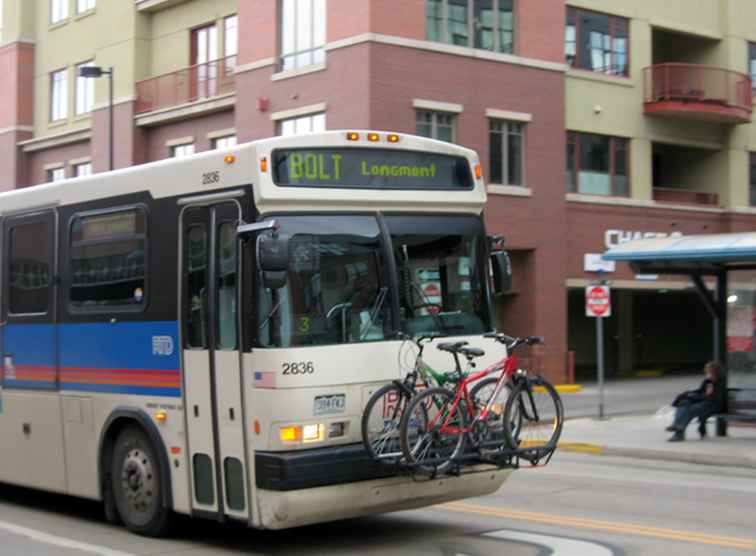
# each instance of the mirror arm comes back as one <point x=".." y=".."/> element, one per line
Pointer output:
<point x="248" y="229"/>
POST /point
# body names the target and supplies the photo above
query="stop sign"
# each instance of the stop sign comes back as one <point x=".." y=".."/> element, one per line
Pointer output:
<point x="598" y="301"/>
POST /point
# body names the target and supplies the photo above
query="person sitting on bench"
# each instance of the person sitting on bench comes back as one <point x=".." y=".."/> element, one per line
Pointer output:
<point x="708" y="399"/>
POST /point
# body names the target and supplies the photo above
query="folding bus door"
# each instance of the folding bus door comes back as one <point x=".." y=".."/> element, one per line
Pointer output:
<point x="212" y="366"/>
<point x="30" y="422"/>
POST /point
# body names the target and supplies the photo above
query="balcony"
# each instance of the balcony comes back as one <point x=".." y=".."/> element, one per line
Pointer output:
<point x="685" y="197"/>
<point x="203" y="81"/>
<point x="698" y="92"/>
<point x="156" y="5"/>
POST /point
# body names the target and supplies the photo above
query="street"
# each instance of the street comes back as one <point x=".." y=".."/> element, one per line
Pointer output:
<point x="577" y="505"/>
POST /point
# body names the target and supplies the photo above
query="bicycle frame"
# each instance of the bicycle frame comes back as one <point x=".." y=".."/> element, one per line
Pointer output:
<point x="507" y="366"/>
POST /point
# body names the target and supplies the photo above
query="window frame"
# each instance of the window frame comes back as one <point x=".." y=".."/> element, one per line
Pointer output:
<point x="62" y="103"/>
<point x="215" y="140"/>
<point x="573" y="14"/>
<point x="312" y="48"/>
<point x="295" y="119"/>
<point x="473" y="27"/>
<point x="752" y="179"/>
<point x="59" y="11"/>
<point x="89" y="6"/>
<point x="7" y="238"/>
<point x="68" y="285"/>
<point x="435" y="125"/>
<point x="172" y="150"/>
<point x="505" y="150"/>
<point x="573" y="138"/>
<point x="85" y="84"/>
<point x="78" y="165"/>
<point x="752" y="65"/>
<point x="51" y="174"/>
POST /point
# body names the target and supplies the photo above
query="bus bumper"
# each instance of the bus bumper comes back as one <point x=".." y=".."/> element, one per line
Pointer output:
<point x="293" y="508"/>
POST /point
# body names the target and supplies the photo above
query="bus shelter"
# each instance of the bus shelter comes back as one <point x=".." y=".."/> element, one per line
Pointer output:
<point x="722" y="268"/>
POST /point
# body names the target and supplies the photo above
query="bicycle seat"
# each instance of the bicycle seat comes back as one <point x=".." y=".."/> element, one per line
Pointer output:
<point x="472" y="352"/>
<point x="451" y="347"/>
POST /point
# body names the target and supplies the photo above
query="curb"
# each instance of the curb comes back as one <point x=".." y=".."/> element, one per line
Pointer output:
<point x="568" y="388"/>
<point x="659" y="455"/>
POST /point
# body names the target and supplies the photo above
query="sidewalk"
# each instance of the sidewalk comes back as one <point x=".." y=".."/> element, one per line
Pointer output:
<point x="644" y="437"/>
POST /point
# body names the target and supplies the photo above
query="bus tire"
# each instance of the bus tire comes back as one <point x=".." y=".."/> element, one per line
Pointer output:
<point x="136" y="484"/>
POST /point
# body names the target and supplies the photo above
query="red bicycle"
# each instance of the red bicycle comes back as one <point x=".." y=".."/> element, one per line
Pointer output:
<point x="440" y="426"/>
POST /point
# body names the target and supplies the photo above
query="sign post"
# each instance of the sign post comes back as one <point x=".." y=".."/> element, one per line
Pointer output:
<point x="598" y="305"/>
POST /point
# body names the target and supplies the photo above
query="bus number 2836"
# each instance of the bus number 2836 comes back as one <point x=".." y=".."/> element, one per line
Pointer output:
<point x="299" y="368"/>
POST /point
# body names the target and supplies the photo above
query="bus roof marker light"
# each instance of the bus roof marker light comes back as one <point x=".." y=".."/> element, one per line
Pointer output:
<point x="352" y="136"/>
<point x="263" y="164"/>
<point x="478" y="172"/>
<point x="393" y="138"/>
<point x="373" y="137"/>
<point x="229" y="158"/>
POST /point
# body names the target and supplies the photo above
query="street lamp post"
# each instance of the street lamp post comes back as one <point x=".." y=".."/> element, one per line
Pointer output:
<point x="96" y="72"/>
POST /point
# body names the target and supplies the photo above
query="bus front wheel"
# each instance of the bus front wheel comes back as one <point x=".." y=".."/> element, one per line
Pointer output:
<point x="136" y="484"/>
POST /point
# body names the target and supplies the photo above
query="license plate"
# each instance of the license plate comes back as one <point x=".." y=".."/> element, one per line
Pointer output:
<point x="325" y="405"/>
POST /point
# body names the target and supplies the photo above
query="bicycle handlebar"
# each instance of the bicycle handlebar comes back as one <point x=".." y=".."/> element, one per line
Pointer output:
<point x="513" y="343"/>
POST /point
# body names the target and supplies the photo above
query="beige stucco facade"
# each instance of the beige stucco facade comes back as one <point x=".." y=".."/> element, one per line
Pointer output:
<point x="716" y="34"/>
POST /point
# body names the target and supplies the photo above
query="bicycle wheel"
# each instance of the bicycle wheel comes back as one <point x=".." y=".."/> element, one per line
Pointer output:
<point x="380" y="423"/>
<point x="537" y="407"/>
<point x="490" y="431"/>
<point x="432" y="431"/>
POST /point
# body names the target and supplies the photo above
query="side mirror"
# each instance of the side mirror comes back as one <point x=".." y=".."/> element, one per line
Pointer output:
<point x="273" y="259"/>
<point x="501" y="268"/>
<point x="273" y="252"/>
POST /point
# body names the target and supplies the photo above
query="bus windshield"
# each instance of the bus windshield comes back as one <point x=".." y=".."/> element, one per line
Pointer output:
<point x="338" y="283"/>
<point x="441" y="274"/>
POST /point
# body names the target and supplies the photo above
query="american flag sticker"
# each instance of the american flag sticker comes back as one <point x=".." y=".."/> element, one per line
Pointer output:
<point x="265" y="379"/>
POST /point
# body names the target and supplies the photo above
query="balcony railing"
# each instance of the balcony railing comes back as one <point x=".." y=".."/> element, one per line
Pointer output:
<point x="685" y="196"/>
<point x="700" y="92"/>
<point x="190" y="84"/>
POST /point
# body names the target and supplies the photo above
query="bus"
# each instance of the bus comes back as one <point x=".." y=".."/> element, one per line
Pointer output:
<point x="199" y="335"/>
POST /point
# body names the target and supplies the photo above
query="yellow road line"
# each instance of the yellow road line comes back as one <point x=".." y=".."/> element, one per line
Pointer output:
<point x="568" y="388"/>
<point x="600" y="525"/>
<point x="581" y="448"/>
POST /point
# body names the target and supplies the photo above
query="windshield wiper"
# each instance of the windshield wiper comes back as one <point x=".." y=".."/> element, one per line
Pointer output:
<point x="380" y="297"/>
<point x="272" y="312"/>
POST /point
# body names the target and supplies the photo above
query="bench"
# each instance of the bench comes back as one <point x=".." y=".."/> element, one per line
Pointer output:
<point x="741" y="409"/>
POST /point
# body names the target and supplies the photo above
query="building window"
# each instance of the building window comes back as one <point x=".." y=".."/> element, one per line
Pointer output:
<point x="436" y="125"/>
<point x="56" y="174"/>
<point x="108" y="260"/>
<point x="179" y="151"/>
<point x="597" y="42"/>
<point x="752" y="180"/>
<point x="58" y="10"/>
<point x="506" y="152"/>
<point x="84" y="6"/>
<point x="224" y="142"/>
<point x="83" y="169"/>
<point x="485" y="24"/>
<point x="302" y="34"/>
<point x="85" y="90"/>
<point x="312" y="123"/>
<point x="58" y="95"/>
<point x="230" y="43"/>
<point x="752" y="64"/>
<point x="597" y="164"/>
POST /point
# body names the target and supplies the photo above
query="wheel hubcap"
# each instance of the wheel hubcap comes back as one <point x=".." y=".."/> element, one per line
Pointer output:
<point x="137" y="480"/>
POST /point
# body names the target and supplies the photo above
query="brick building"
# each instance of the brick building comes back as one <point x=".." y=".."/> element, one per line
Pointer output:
<point x="582" y="146"/>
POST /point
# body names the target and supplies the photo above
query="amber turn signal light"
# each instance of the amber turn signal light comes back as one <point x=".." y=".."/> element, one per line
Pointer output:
<point x="374" y="137"/>
<point x="393" y="138"/>
<point x="263" y="164"/>
<point x="353" y="136"/>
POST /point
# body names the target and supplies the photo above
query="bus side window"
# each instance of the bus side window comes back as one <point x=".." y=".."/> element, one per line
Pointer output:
<point x="29" y="279"/>
<point x="226" y="286"/>
<point x="196" y="291"/>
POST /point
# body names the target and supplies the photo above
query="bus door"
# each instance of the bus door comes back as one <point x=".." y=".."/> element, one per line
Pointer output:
<point x="212" y="365"/>
<point x="32" y="420"/>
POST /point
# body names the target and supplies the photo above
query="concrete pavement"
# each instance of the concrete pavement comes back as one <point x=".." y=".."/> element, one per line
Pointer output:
<point x="644" y="437"/>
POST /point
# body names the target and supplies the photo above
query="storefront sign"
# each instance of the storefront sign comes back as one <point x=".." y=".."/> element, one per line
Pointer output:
<point x="613" y="238"/>
<point x="592" y="262"/>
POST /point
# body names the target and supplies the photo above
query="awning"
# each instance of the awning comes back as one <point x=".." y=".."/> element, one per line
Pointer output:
<point x="701" y="254"/>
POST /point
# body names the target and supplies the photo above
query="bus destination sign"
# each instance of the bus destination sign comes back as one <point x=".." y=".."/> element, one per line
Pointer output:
<point x="362" y="168"/>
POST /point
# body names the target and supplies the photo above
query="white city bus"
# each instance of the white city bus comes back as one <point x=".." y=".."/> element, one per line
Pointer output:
<point x="150" y="361"/>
